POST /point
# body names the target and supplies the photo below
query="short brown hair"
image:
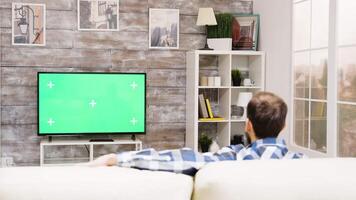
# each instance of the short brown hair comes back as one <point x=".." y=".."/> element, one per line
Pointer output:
<point x="267" y="113"/>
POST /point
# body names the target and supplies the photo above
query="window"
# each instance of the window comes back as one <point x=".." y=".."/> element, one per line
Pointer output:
<point x="310" y="61"/>
<point x="346" y="68"/>
<point x="324" y="76"/>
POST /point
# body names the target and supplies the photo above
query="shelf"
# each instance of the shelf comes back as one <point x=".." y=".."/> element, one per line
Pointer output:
<point x="245" y="87"/>
<point x="213" y="121"/>
<point x="241" y="52"/>
<point x="213" y="87"/>
<point x="56" y="142"/>
<point x="227" y="87"/>
<point x="312" y="118"/>
<point x="65" y="161"/>
<point x="64" y="165"/>
<point x="71" y="161"/>
<point x="238" y="120"/>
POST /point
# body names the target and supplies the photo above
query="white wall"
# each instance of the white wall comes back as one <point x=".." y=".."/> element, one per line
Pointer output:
<point x="275" y="40"/>
<point x="0" y="95"/>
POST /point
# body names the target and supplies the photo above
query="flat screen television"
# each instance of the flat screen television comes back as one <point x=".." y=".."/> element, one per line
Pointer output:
<point x="91" y="103"/>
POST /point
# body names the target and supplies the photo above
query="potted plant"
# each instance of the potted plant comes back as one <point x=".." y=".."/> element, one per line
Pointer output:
<point x="236" y="77"/>
<point x="220" y="36"/>
<point x="205" y="142"/>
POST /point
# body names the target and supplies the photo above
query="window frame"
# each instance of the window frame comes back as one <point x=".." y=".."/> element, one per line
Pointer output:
<point x="332" y="85"/>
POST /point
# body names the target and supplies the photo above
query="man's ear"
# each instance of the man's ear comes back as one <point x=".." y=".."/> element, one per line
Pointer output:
<point x="248" y="126"/>
<point x="249" y="131"/>
<point x="284" y="127"/>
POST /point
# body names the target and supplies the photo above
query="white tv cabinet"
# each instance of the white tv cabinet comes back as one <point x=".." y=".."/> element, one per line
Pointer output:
<point x="252" y="62"/>
<point x="90" y="145"/>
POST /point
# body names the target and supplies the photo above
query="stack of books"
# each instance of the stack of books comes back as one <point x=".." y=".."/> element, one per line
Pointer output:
<point x="205" y="111"/>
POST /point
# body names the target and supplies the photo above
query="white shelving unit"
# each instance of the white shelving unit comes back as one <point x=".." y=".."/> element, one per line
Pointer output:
<point x="252" y="62"/>
<point x="89" y="144"/>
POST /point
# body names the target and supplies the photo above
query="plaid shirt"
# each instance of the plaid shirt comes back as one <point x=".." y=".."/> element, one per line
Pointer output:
<point x="188" y="162"/>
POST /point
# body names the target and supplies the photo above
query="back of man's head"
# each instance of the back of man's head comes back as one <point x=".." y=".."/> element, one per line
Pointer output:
<point x="267" y="113"/>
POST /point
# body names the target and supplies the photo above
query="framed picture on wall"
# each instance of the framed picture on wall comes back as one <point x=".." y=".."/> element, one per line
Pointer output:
<point x="164" y="29"/>
<point x="28" y="24"/>
<point x="98" y="15"/>
<point x="245" y="32"/>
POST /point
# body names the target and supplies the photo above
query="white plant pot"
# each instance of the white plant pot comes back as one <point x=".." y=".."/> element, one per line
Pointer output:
<point x="220" y="44"/>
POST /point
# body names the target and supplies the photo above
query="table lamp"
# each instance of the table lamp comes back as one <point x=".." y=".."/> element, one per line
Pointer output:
<point x="206" y="17"/>
<point x="243" y="100"/>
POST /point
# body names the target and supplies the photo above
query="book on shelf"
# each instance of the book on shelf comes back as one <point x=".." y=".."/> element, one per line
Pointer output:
<point x="210" y="112"/>
<point x="203" y="112"/>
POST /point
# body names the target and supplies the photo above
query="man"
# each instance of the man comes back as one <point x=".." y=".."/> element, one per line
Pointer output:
<point x="266" y="115"/>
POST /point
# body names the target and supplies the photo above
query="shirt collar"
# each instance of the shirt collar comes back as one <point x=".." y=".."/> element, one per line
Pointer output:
<point x="270" y="141"/>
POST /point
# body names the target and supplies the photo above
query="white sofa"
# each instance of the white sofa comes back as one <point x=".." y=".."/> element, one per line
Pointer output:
<point x="312" y="179"/>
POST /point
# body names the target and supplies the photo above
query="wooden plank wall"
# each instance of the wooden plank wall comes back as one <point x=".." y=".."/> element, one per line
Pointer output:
<point x="68" y="49"/>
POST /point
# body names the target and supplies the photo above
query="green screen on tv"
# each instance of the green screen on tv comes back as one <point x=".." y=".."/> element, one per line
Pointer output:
<point x="91" y="103"/>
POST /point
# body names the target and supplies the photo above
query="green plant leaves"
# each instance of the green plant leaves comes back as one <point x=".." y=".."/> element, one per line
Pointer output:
<point x="223" y="29"/>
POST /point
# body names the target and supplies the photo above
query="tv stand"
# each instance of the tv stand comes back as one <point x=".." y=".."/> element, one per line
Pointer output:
<point x="101" y="140"/>
<point x="133" y="137"/>
<point x="72" y="161"/>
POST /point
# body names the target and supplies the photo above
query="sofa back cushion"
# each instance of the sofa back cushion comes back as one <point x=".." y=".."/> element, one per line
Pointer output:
<point x="89" y="183"/>
<point x="304" y="179"/>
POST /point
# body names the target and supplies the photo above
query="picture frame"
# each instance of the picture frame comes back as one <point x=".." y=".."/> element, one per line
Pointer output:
<point x="98" y="15"/>
<point x="28" y="24"/>
<point x="245" y="30"/>
<point x="163" y="28"/>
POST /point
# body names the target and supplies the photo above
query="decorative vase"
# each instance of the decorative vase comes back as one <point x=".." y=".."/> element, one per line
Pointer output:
<point x="211" y="81"/>
<point x="238" y="139"/>
<point x="220" y="44"/>
<point x="204" y="148"/>
<point x="240" y="111"/>
<point x="204" y="143"/>
<point x="236" y="81"/>
<point x="214" y="147"/>
<point x="204" y="81"/>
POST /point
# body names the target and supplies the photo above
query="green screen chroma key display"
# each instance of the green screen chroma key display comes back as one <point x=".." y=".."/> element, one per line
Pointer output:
<point x="91" y="103"/>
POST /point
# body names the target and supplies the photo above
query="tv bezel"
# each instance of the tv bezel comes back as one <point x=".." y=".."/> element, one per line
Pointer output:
<point x="88" y="133"/>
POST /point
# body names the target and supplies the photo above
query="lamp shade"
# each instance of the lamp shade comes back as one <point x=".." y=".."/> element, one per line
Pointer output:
<point x="206" y="16"/>
<point x="244" y="99"/>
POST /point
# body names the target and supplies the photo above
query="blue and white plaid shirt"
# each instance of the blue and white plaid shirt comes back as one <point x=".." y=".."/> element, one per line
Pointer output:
<point x="188" y="162"/>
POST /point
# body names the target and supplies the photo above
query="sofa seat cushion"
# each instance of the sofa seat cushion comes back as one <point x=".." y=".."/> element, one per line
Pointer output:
<point x="308" y="179"/>
<point x="89" y="183"/>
